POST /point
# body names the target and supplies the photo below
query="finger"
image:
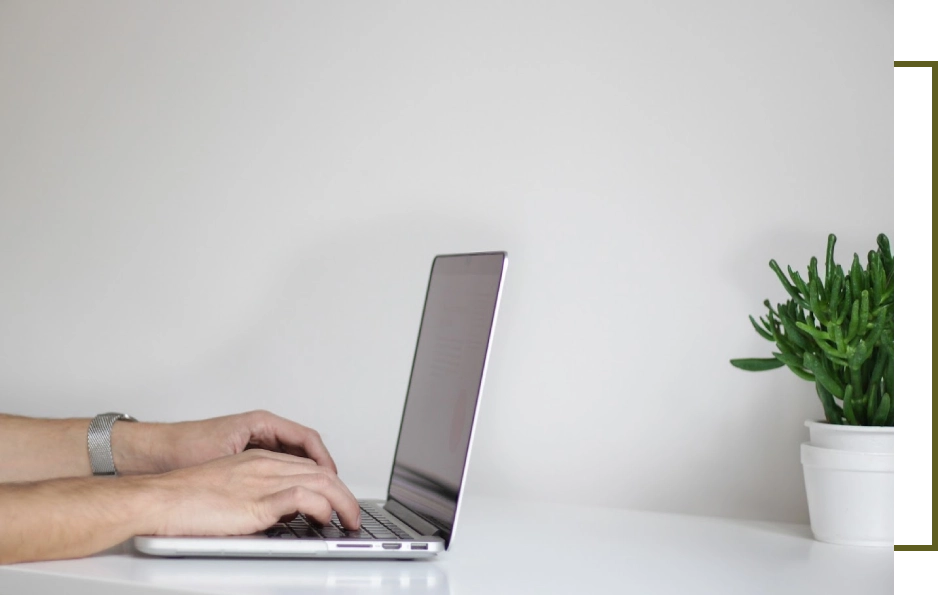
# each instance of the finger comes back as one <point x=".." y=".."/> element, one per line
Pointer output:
<point x="355" y="513"/>
<point x="276" y="432"/>
<point x="299" y="499"/>
<point x="288" y="467"/>
<point x="272" y="448"/>
<point x="340" y="498"/>
<point x="303" y="463"/>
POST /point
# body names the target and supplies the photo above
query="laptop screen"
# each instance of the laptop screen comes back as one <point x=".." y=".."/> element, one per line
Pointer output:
<point x="445" y="383"/>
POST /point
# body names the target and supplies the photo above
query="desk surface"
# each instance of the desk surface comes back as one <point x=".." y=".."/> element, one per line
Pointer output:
<point x="507" y="547"/>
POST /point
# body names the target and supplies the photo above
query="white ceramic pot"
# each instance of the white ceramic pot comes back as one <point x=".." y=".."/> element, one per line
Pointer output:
<point x="848" y="476"/>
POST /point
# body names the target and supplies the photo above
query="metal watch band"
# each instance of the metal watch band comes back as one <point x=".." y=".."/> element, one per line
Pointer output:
<point x="99" y="442"/>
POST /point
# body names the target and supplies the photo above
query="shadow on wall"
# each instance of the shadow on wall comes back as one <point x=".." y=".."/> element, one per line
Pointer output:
<point x="329" y="346"/>
<point x="349" y="303"/>
<point x="343" y="296"/>
<point x="745" y="462"/>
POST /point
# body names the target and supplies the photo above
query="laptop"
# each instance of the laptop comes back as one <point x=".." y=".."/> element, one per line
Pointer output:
<point x="418" y="517"/>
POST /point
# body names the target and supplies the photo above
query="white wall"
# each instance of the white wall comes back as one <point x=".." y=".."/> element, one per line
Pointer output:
<point x="217" y="206"/>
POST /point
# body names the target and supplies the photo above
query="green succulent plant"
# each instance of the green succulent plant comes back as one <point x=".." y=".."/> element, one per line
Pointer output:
<point x="837" y="331"/>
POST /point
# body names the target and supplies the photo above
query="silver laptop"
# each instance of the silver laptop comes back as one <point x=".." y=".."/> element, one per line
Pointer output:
<point x="418" y="517"/>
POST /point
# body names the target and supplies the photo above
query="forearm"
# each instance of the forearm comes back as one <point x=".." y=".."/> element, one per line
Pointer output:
<point x="33" y="449"/>
<point x="70" y="518"/>
<point x="36" y="449"/>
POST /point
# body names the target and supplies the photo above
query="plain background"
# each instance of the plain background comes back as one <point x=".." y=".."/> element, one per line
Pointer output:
<point x="219" y="206"/>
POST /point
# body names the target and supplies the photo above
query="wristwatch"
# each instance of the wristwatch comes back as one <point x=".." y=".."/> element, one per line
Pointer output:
<point x="99" y="442"/>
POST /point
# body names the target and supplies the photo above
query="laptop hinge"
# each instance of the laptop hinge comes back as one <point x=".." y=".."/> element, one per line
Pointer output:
<point x="416" y="521"/>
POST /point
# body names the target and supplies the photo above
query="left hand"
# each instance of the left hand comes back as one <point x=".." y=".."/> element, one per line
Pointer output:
<point x="158" y="448"/>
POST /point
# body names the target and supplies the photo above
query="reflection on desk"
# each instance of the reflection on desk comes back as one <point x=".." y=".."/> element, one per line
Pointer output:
<point x="296" y="576"/>
<point x="514" y="547"/>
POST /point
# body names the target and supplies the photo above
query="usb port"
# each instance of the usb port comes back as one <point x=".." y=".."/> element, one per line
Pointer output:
<point x="418" y="546"/>
<point x="391" y="546"/>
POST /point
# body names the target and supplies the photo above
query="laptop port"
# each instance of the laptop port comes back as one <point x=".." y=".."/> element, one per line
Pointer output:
<point x="418" y="546"/>
<point x="391" y="546"/>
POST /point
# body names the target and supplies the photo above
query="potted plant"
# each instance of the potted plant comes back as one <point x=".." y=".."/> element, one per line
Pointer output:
<point x="836" y="330"/>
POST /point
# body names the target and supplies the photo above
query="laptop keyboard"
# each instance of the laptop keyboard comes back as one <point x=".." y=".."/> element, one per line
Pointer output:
<point x="375" y="525"/>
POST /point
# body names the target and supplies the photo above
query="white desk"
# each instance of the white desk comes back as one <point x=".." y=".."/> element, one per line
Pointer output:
<point x="506" y="547"/>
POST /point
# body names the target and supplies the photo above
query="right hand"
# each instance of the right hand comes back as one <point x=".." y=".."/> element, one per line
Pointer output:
<point x="245" y="493"/>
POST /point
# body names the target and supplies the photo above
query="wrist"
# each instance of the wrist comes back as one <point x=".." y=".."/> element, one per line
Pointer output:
<point x="132" y="447"/>
<point x="147" y="500"/>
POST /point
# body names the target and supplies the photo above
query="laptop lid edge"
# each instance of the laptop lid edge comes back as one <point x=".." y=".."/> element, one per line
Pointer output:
<point x="447" y="535"/>
<point x="475" y="415"/>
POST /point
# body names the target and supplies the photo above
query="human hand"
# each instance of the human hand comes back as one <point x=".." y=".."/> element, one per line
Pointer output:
<point x="242" y="494"/>
<point x="158" y="448"/>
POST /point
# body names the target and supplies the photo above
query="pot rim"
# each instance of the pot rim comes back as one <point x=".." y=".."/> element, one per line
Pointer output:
<point x="845" y="428"/>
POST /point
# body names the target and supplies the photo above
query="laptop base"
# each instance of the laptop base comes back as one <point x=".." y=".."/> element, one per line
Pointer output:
<point x="261" y="545"/>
